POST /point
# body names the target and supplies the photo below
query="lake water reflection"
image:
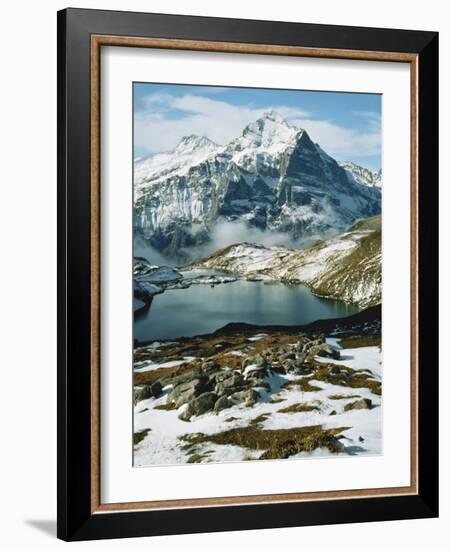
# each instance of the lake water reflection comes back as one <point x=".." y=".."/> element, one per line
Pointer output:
<point x="201" y="309"/>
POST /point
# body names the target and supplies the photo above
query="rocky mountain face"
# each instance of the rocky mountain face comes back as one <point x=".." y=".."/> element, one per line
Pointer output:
<point x="346" y="267"/>
<point x="363" y="176"/>
<point x="272" y="177"/>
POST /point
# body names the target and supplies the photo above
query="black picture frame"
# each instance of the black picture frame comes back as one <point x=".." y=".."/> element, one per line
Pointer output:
<point x="76" y="521"/>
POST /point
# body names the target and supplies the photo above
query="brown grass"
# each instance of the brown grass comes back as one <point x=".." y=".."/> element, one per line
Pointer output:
<point x="360" y="341"/>
<point x="355" y="262"/>
<point x="274" y="443"/>
<point x="151" y="376"/>
<point x="299" y="407"/>
<point x="342" y="396"/>
<point x="346" y="377"/>
<point x="258" y="419"/>
<point x="166" y="407"/>
<point x="303" y="384"/>
<point x="139" y="436"/>
<point x="197" y="458"/>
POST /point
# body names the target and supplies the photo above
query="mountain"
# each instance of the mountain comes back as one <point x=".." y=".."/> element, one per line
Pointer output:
<point x="363" y="176"/>
<point x="272" y="177"/>
<point x="346" y="267"/>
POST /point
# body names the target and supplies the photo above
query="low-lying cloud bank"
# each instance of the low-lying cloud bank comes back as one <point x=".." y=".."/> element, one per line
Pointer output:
<point x="223" y="234"/>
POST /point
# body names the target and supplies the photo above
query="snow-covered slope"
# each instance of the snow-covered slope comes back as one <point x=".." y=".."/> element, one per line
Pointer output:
<point x="363" y="176"/>
<point x="191" y="150"/>
<point x="347" y="267"/>
<point x="193" y="409"/>
<point x="272" y="177"/>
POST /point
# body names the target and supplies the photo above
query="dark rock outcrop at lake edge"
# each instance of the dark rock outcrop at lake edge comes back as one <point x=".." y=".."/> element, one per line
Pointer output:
<point x="351" y="324"/>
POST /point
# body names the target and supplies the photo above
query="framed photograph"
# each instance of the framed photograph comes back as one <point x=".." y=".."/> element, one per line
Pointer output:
<point x="247" y="274"/>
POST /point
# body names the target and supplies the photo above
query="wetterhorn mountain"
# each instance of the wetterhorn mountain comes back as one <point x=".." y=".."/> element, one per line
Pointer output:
<point x="272" y="177"/>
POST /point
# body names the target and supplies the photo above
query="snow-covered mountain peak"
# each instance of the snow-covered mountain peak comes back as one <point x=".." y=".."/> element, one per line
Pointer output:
<point x="270" y="129"/>
<point x="272" y="177"/>
<point x="190" y="151"/>
<point x="263" y="140"/>
<point x="363" y="176"/>
<point x="194" y="142"/>
<point x="275" y="116"/>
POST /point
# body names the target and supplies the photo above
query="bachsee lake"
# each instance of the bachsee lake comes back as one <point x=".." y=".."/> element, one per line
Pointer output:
<point x="202" y="308"/>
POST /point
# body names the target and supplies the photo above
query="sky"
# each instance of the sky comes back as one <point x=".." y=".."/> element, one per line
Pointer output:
<point x="346" y="125"/>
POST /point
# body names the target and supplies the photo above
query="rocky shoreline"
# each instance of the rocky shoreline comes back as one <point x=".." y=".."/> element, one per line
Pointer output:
<point x="150" y="280"/>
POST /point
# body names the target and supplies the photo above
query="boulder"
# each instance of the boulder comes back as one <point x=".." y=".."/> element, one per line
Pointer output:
<point x="188" y="376"/>
<point x="360" y="404"/>
<point x="143" y="297"/>
<point x="249" y="397"/>
<point x="142" y="393"/>
<point x="257" y="372"/>
<point x="202" y="404"/>
<point x="239" y="395"/>
<point x="324" y="350"/>
<point x="230" y="384"/>
<point x="300" y="344"/>
<point x="156" y="388"/>
<point x="222" y="403"/>
<point x="290" y="355"/>
<point x="209" y="367"/>
<point x="252" y="398"/>
<point x="186" y="392"/>
<point x="289" y="365"/>
<point x="302" y="370"/>
<point x="223" y="375"/>
<point x="183" y="413"/>
<point x="257" y="360"/>
<point x="148" y="391"/>
<point x="296" y="370"/>
<point x="182" y="378"/>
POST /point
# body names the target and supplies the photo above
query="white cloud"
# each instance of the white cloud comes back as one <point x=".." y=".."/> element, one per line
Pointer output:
<point x="342" y="142"/>
<point x="157" y="130"/>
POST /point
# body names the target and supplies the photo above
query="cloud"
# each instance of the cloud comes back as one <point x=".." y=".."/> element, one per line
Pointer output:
<point x="145" y="250"/>
<point x="225" y="233"/>
<point x="341" y="142"/>
<point x="371" y="117"/>
<point x="165" y="119"/>
<point x="157" y="129"/>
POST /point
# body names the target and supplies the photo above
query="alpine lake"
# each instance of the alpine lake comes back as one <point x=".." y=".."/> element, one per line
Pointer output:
<point x="205" y="308"/>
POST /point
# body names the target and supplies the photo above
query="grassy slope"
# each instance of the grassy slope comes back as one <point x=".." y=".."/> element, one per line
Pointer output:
<point x="362" y="264"/>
